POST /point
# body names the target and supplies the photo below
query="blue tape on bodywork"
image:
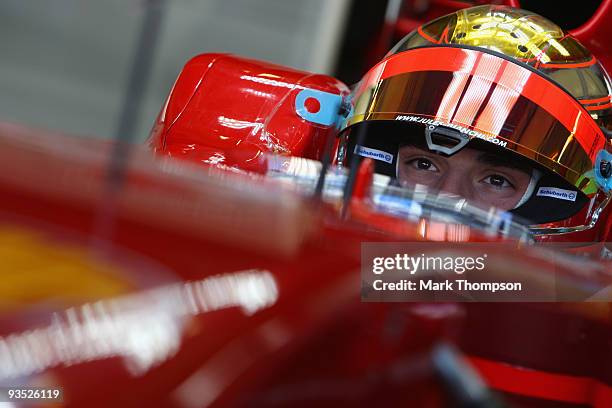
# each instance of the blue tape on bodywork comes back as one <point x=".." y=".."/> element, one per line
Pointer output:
<point x="329" y="106"/>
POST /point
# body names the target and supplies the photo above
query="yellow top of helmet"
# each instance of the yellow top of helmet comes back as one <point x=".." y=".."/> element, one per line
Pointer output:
<point x="529" y="39"/>
<point x="516" y="33"/>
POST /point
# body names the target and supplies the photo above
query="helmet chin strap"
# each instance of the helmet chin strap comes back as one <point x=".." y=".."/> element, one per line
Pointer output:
<point x="535" y="177"/>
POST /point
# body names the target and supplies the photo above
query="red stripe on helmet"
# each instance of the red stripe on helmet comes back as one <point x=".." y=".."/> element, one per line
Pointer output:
<point x="541" y="91"/>
<point x="597" y="100"/>
<point x="426" y="36"/>
<point x="599" y="107"/>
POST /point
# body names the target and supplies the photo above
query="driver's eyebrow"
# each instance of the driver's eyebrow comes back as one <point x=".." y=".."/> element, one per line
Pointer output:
<point x="501" y="161"/>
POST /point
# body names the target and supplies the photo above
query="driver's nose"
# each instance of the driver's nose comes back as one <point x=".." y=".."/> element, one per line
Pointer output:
<point x="455" y="182"/>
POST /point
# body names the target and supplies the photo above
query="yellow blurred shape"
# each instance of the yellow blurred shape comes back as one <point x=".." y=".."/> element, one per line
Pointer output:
<point x="34" y="269"/>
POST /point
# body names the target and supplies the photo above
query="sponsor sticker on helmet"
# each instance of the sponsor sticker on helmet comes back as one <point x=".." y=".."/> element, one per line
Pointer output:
<point x="470" y="132"/>
<point x="374" y="154"/>
<point x="558" y="193"/>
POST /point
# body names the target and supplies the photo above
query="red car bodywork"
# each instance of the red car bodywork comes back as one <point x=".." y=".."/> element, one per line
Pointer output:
<point x="298" y="335"/>
<point x="253" y="111"/>
<point x="310" y="341"/>
<point x="534" y="370"/>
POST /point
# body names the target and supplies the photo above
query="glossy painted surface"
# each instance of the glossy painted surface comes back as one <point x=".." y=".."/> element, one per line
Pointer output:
<point x="494" y="343"/>
<point x="207" y="288"/>
<point x="589" y="34"/>
<point x="249" y="306"/>
<point x="193" y="341"/>
<point x="226" y="110"/>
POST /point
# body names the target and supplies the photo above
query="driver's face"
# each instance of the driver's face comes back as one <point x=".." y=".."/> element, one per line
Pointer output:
<point x="482" y="178"/>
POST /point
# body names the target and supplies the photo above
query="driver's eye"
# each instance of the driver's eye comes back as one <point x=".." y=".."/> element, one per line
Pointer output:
<point x="422" y="163"/>
<point x="498" y="181"/>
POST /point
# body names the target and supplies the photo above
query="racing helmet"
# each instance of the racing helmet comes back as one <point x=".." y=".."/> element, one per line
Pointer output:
<point x="504" y="80"/>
